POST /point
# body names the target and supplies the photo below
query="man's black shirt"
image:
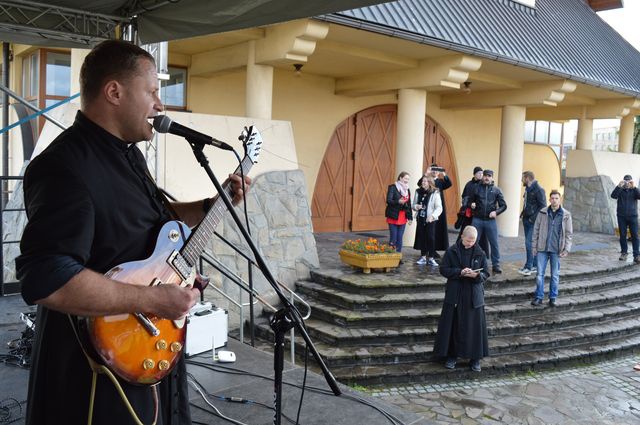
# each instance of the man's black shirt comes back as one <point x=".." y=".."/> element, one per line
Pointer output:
<point x="91" y="205"/>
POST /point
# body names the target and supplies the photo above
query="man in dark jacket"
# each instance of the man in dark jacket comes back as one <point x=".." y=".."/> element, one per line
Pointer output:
<point x="462" y="329"/>
<point x="627" y="195"/>
<point x="534" y="201"/>
<point x="487" y="203"/>
<point x="465" y="210"/>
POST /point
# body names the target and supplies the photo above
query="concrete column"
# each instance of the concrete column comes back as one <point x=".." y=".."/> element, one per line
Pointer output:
<point x="585" y="134"/>
<point x="77" y="58"/>
<point x="625" y="140"/>
<point x="510" y="167"/>
<point x="259" y="89"/>
<point x="412" y="108"/>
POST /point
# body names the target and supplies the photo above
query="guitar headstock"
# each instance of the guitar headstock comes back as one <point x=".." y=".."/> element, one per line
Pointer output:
<point x="252" y="142"/>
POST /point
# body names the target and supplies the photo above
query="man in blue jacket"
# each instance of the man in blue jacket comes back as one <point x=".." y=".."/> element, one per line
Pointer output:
<point x="627" y="195"/>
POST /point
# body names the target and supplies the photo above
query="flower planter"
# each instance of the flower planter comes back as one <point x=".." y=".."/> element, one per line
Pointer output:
<point x="366" y="262"/>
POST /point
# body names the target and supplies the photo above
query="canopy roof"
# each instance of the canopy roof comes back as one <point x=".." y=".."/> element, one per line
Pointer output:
<point x="561" y="37"/>
<point x="82" y="23"/>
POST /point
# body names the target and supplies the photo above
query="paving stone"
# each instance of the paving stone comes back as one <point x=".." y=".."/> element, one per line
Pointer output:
<point x="473" y="412"/>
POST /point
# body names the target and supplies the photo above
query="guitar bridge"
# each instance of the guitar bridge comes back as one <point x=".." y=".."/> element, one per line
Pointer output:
<point x="180" y="265"/>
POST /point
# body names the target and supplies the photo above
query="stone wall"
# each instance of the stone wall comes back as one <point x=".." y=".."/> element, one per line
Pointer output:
<point x="13" y="223"/>
<point x="280" y="224"/>
<point x="589" y="200"/>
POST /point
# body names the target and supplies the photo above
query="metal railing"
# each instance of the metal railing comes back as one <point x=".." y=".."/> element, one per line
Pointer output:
<point x="12" y="287"/>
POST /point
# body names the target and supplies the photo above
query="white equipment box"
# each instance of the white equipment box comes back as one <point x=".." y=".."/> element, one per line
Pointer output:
<point x="206" y="328"/>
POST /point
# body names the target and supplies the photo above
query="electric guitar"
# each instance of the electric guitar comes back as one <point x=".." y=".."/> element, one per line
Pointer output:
<point x="142" y="348"/>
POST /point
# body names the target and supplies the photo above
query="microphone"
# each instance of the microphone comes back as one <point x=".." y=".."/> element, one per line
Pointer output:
<point x="164" y="124"/>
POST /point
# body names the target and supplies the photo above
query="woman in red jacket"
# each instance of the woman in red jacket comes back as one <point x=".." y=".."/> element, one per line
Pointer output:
<point x="398" y="211"/>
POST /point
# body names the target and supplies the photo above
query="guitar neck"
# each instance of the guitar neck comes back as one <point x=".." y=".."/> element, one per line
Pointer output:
<point x="199" y="238"/>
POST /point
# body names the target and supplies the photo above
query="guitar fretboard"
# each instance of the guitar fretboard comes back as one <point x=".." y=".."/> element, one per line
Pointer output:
<point x="199" y="238"/>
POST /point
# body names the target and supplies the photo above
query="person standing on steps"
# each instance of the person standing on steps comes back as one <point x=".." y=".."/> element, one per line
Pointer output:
<point x="487" y="203"/>
<point x="443" y="182"/>
<point x="627" y="195"/>
<point x="534" y="201"/>
<point x="465" y="216"/>
<point x="552" y="240"/>
<point x="398" y="211"/>
<point x="428" y="207"/>
<point x="462" y="328"/>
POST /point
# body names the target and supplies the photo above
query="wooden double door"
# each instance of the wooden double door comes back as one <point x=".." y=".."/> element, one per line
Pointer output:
<point x="359" y="164"/>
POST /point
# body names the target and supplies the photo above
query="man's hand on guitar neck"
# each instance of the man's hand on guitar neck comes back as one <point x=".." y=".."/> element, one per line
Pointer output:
<point x="236" y="184"/>
<point x="192" y="213"/>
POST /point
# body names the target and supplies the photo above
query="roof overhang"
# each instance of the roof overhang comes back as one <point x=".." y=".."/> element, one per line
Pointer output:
<point x="83" y="23"/>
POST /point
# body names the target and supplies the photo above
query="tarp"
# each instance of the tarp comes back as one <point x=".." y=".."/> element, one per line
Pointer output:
<point x="39" y="24"/>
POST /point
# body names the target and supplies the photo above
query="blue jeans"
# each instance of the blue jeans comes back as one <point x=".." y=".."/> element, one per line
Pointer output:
<point x="528" y="240"/>
<point x="554" y="260"/>
<point x="632" y="224"/>
<point x="395" y="236"/>
<point x="489" y="228"/>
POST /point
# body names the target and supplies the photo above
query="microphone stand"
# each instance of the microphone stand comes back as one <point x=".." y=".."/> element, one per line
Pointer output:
<point x="284" y="319"/>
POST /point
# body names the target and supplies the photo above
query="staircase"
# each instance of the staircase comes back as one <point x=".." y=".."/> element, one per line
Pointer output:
<point x="379" y="329"/>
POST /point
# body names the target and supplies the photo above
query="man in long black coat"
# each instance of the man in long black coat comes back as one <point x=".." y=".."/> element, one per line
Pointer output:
<point x="462" y="329"/>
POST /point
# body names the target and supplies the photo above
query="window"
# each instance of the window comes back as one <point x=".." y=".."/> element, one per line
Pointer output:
<point x="173" y="92"/>
<point x="46" y="78"/>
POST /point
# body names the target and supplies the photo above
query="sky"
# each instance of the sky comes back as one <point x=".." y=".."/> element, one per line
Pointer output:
<point x="627" y="22"/>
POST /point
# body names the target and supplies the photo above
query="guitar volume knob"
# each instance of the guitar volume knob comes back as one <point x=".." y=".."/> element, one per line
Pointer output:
<point x="163" y="365"/>
<point x="161" y="344"/>
<point x="148" y="364"/>
<point x="176" y="347"/>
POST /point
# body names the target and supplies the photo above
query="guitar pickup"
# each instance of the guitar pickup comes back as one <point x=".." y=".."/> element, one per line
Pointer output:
<point x="180" y="265"/>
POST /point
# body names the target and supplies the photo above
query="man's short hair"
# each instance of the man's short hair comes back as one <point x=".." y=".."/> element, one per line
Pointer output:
<point x="554" y="192"/>
<point x="470" y="231"/>
<point x="529" y="175"/>
<point x="109" y="60"/>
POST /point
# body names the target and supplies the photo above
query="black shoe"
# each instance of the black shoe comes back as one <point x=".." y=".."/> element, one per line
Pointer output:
<point x="451" y="363"/>
<point x="536" y="302"/>
<point x="552" y="303"/>
<point x="497" y="270"/>
<point x="475" y="365"/>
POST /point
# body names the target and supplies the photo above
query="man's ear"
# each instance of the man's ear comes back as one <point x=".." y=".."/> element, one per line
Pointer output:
<point x="112" y="91"/>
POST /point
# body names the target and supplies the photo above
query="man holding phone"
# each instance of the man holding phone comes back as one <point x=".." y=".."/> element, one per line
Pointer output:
<point x="627" y="195"/>
<point x="462" y="329"/>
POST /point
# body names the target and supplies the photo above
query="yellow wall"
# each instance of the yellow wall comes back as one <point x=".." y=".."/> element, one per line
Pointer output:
<point x="315" y="111"/>
<point x="475" y="136"/>
<point x="542" y="160"/>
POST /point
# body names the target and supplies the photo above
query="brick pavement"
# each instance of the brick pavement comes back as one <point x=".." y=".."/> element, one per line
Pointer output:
<point x="606" y="393"/>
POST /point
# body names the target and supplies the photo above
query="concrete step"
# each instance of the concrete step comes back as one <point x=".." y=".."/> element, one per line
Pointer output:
<point x="409" y="344"/>
<point x="332" y="314"/>
<point x="423" y="351"/>
<point x="397" y="282"/>
<point x="433" y="372"/>
<point x="426" y="296"/>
